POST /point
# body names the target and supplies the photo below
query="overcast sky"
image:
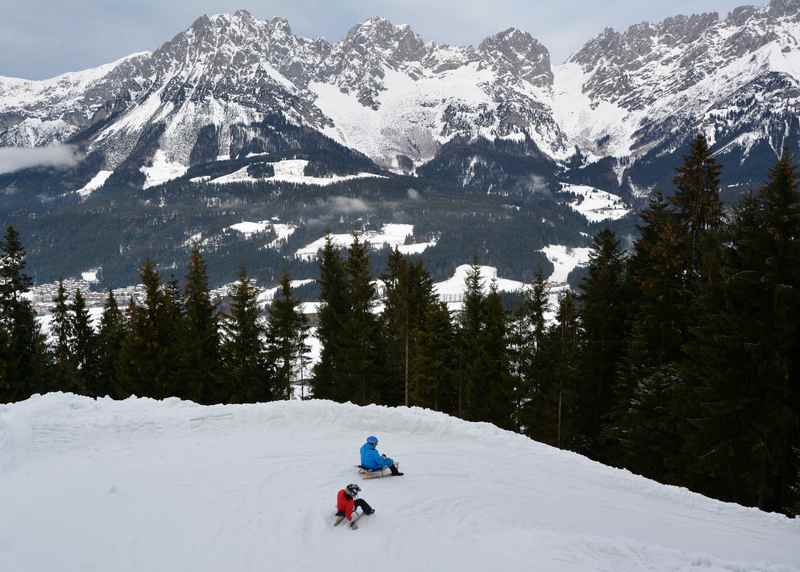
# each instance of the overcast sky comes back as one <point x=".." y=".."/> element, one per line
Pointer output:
<point x="42" y="38"/>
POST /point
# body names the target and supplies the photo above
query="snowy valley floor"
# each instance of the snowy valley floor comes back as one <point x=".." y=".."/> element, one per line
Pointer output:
<point x="141" y="485"/>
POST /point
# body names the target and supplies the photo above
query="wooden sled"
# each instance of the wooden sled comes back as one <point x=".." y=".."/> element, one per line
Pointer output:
<point x="385" y="472"/>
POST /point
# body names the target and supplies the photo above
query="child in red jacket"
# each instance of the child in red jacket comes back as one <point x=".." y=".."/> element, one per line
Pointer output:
<point x="347" y="501"/>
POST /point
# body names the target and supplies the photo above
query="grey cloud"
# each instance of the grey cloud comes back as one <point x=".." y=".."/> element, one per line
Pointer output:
<point x="538" y="184"/>
<point x="413" y="194"/>
<point x="16" y="158"/>
<point x="346" y="205"/>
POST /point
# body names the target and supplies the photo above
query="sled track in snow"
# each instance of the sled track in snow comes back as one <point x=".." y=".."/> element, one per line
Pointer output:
<point x="170" y="485"/>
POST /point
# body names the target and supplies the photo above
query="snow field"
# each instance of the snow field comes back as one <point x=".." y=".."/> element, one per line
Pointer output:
<point x="596" y="205"/>
<point x="145" y="485"/>
<point x="391" y="235"/>
<point x="286" y="171"/>
<point x="95" y="183"/>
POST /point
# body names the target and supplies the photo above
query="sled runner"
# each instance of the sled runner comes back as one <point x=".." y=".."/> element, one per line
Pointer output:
<point x="377" y="474"/>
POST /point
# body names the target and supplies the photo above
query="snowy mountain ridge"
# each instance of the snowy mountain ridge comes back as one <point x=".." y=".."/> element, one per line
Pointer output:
<point x="143" y="483"/>
<point x="385" y="92"/>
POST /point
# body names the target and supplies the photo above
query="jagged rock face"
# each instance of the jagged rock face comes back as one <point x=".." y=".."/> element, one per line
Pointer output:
<point x="515" y="56"/>
<point x="358" y="63"/>
<point x="649" y="61"/>
<point x="733" y="79"/>
<point x="36" y="113"/>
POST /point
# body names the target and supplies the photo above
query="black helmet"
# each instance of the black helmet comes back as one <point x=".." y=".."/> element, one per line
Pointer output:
<point x="353" y="490"/>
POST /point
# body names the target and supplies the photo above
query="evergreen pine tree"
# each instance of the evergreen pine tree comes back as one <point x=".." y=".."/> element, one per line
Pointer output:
<point x="472" y="353"/>
<point x="566" y="335"/>
<point x="498" y="398"/>
<point x="604" y="323"/>
<point x="84" y="348"/>
<point x="23" y="357"/>
<point x="151" y="356"/>
<point x="361" y="373"/>
<point x="200" y="378"/>
<point x="334" y="309"/>
<point x="395" y="324"/>
<point x="743" y="357"/>
<point x="642" y="432"/>
<point x="65" y="376"/>
<point x="287" y="331"/>
<point x="697" y="199"/>
<point x="246" y="374"/>
<point x="110" y="339"/>
<point x="529" y="344"/>
<point x="433" y="360"/>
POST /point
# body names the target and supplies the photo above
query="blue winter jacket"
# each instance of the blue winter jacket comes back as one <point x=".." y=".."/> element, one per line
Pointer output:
<point x="372" y="460"/>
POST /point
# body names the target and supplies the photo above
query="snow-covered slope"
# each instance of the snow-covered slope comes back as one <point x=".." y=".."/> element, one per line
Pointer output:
<point x="163" y="486"/>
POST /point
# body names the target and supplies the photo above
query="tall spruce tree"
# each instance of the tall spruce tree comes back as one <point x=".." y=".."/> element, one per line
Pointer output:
<point x="604" y="309"/>
<point x="362" y="354"/>
<point x="529" y="343"/>
<point x="471" y="352"/>
<point x="743" y="358"/>
<point x="65" y="375"/>
<point x="110" y="339"/>
<point x="643" y="433"/>
<point x="498" y="382"/>
<point x="697" y="200"/>
<point x="287" y="332"/>
<point x="84" y="348"/>
<point x="328" y="382"/>
<point x="566" y="336"/>
<point x="246" y="373"/>
<point x="433" y="360"/>
<point x="23" y="357"/>
<point x="415" y="359"/>
<point x="201" y="377"/>
<point x="151" y="358"/>
<point x="396" y="326"/>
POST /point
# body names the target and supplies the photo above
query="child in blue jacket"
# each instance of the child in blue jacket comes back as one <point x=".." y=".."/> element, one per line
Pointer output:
<point x="372" y="460"/>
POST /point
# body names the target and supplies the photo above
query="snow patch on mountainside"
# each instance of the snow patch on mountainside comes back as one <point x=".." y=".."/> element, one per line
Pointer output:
<point x="455" y="286"/>
<point x="143" y="483"/>
<point x="410" y="120"/>
<point x="564" y="259"/>
<point x="268" y="294"/>
<point x="161" y="170"/>
<point x="391" y="235"/>
<point x="95" y="183"/>
<point x="286" y="171"/>
<point x="594" y="204"/>
<point x="248" y="229"/>
<point x="599" y="128"/>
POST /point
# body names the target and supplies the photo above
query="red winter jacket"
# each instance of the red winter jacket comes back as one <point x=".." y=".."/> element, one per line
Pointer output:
<point x="346" y="504"/>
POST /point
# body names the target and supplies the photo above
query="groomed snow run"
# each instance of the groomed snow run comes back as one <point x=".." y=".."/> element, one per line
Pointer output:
<point x="166" y="486"/>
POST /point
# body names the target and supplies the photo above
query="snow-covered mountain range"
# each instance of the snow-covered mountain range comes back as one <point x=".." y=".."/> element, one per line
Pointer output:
<point x="625" y="98"/>
<point x="490" y="152"/>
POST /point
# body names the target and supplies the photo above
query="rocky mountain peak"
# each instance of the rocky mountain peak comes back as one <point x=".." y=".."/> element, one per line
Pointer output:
<point x="783" y="8"/>
<point x="518" y="54"/>
<point x="358" y="63"/>
<point x="395" y="43"/>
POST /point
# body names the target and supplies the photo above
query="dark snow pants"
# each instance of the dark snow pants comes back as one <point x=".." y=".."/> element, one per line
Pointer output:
<point x="364" y="505"/>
